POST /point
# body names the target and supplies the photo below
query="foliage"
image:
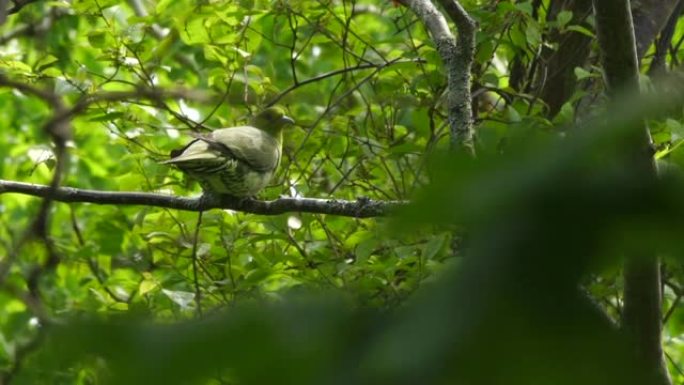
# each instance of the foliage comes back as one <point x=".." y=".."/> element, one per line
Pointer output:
<point x="366" y="87"/>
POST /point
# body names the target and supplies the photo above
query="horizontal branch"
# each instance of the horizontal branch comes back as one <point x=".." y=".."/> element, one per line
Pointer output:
<point x="360" y="208"/>
<point x="47" y="96"/>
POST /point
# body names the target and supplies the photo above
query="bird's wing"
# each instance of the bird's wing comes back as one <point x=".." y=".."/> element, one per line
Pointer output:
<point x="255" y="147"/>
<point x="196" y="150"/>
<point x="259" y="150"/>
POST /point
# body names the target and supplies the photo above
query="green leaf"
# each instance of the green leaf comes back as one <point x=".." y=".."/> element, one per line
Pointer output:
<point x="581" y="73"/>
<point x="98" y="38"/>
<point x="582" y="30"/>
<point x="518" y="38"/>
<point x="365" y="248"/>
<point x="485" y="50"/>
<point x="161" y="6"/>
<point x="184" y="299"/>
<point x="433" y="246"/>
<point x="16" y="67"/>
<point x="513" y="115"/>
<point x="194" y="31"/>
<point x="51" y="72"/>
<point x="357" y="237"/>
<point x="45" y="62"/>
<point x="525" y="7"/>
<point x="563" y="18"/>
<point x="148" y="285"/>
<point x="675" y="127"/>
<point x="533" y="34"/>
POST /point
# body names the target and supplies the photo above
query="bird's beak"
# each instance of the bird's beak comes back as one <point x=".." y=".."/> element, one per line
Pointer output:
<point x="288" y="119"/>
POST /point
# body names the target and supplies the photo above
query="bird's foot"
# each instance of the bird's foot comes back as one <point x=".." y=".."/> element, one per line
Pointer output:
<point x="209" y="199"/>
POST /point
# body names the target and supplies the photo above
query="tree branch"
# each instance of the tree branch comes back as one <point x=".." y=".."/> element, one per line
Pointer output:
<point x="48" y="97"/>
<point x="63" y="113"/>
<point x="360" y="208"/>
<point x="18" y="5"/>
<point x="152" y="94"/>
<point x="458" y="59"/>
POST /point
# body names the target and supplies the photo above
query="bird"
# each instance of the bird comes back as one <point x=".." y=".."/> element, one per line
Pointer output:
<point x="237" y="161"/>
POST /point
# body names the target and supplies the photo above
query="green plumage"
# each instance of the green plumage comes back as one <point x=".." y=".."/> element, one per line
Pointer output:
<point x="238" y="161"/>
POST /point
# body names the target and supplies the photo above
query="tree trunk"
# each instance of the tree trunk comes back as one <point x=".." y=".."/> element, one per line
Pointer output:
<point x="558" y="73"/>
<point x="556" y="77"/>
<point x="642" y="299"/>
<point x="650" y="17"/>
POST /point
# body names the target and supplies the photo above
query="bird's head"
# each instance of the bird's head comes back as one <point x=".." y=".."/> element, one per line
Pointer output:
<point x="272" y="120"/>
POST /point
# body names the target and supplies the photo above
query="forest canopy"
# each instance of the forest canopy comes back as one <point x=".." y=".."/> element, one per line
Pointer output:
<point x="472" y="191"/>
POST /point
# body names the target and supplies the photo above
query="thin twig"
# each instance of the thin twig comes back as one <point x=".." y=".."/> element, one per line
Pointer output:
<point x="341" y="71"/>
<point x="198" y="292"/>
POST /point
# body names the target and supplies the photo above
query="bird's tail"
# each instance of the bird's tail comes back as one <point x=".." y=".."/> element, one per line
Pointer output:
<point x="190" y="158"/>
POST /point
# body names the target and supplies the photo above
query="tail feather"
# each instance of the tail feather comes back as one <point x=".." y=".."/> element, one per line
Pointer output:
<point x="193" y="157"/>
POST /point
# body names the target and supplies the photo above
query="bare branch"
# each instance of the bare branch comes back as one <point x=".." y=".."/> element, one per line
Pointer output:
<point x="360" y="208"/>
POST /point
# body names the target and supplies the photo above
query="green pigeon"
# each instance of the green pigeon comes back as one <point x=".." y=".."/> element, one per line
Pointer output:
<point x="238" y="161"/>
